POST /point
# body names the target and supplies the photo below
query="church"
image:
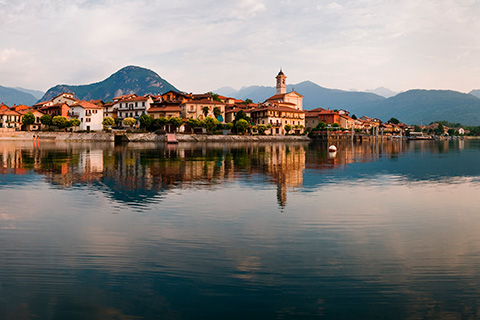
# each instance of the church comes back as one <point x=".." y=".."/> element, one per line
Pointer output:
<point x="281" y="110"/>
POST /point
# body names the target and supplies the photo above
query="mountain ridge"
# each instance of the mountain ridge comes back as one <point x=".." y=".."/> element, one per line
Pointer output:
<point x="128" y="80"/>
<point x="11" y="96"/>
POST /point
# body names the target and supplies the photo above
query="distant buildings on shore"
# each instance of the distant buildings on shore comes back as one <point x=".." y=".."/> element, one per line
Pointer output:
<point x="278" y="115"/>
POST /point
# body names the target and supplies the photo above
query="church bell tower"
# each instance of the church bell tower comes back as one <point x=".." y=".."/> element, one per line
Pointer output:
<point x="281" y="83"/>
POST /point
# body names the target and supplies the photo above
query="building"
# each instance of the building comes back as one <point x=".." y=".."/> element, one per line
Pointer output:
<point x="64" y="98"/>
<point x="10" y="119"/>
<point x="281" y="109"/>
<point x="131" y="106"/>
<point x="329" y="117"/>
<point x="200" y="109"/>
<point x="57" y="109"/>
<point x="89" y="114"/>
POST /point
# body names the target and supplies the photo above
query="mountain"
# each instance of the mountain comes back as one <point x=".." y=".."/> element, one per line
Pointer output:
<point x="475" y="93"/>
<point x="384" y="92"/>
<point x="314" y="96"/>
<point x="226" y="91"/>
<point x="129" y="80"/>
<point x="425" y="106"/>
<point x="36" y="93"/>
<point x="11" y="96"/>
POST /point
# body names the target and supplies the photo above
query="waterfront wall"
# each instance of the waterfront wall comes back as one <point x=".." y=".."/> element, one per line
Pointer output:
<point x="140" y="137"/>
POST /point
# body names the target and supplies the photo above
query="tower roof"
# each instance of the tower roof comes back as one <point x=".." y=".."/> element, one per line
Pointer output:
<point x="280" y="73"/>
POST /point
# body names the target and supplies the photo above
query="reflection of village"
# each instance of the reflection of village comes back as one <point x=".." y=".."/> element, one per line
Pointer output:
<point x="143" y="172"/>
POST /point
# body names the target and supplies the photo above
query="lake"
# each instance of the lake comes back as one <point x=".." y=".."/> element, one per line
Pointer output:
<point x="240" y="231"/>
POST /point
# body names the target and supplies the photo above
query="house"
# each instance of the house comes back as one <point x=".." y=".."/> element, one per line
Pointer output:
<point x="37" y="124"/>
<point x="10" y="119"/>
<point x="64" y="98"/>
<point x="278" y="116"/>
<point x="281" y="109"/>
<point x="89" y="114"/>
<point x="200" y="109"/>
<point x="232" y="113"/>
<point x="57" y="109"/>
<point x="131" y="106"/>
<point x="165" y="111"/>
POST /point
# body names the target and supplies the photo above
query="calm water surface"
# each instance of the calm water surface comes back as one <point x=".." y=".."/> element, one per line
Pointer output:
<point x="243" y="231"/>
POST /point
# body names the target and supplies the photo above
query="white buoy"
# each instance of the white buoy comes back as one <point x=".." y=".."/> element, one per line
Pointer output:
<point x="332" y="148"/>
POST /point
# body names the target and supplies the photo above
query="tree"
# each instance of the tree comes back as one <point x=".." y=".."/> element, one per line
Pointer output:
<point x="417" y="128"/>
<point x="288" y="128"/>
<point x="210" y="123"/>
<point x="393" y="121"/>
<point x="74" y="123"/>
<point x="241" y="115"/>
<point x="108" y="122"/>
<point x="28" y="119"/>
<point x="176" y="122"/>
<point x="214" y="96"/>
<point x="160" y="123"/>
<point x="129" y="122"/>
<point x="440" y="129"/>
<point x="320" y="126"/>
<point x="247" y="101"/>
<point x="261" y="129"/>
<point x="46" y="119"/>
<point x="241" y="125"/>
<point x="217" y="112"/>
<point x="145" y="120"/>
<point x="60" y="122"/>
<point x="205" y="111"/>
<point x="228" y="126"/>
<point x="193" y="123"/>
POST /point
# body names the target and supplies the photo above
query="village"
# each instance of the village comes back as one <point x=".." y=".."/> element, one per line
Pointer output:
<point x="179" y="112"/>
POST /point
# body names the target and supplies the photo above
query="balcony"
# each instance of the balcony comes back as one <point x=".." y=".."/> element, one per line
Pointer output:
<point x="276" y="124"/>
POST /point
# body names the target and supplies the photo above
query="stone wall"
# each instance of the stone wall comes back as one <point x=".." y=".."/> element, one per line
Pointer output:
<point x="142" y="137"/>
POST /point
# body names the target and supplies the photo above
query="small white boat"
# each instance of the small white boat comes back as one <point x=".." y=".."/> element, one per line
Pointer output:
<point x="332" y="148"/>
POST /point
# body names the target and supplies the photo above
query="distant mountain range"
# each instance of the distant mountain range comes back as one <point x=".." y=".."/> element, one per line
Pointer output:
<point x="129" y="80"/>
<point x="411" y="107"/>
<point x="384" y="92"/>
<point x="11" y="96"/>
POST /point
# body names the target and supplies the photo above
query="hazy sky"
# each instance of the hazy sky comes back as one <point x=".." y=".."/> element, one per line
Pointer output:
<point x="204" y="45"/>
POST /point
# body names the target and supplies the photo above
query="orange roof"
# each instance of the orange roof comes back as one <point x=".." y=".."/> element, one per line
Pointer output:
<point x="9" y="112"/>
<point x="203" y="101"/>
<point x="21" y="107"/>
<point x="56" y="105"/>
<point x="239" y="109"/>
<point x="86" y="105"/>
<point x="132" y="99"/>
<point x="277" y="108"/>
<point x="165" y="109"/>
<point x="124" y="96"/>
<point x="25" y="111"/>
<point x="282" y="95"/>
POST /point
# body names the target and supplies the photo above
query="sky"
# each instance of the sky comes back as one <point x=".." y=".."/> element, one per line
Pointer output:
<point x="203" y="45"/>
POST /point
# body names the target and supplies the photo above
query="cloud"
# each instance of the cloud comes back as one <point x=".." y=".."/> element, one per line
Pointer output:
<point x="202" y="45"/>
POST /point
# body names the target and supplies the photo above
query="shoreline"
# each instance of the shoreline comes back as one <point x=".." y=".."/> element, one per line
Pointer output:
<point x="139" y="137"/>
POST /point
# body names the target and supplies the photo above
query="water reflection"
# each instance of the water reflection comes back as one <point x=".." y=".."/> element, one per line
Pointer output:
<point x="138" y="174"/>
<point x="377" y="230"/>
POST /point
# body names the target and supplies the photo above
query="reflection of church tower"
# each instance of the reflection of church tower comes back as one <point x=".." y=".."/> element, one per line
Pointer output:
<point x="281" y="83"/>
<point x="282" y="194"/>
